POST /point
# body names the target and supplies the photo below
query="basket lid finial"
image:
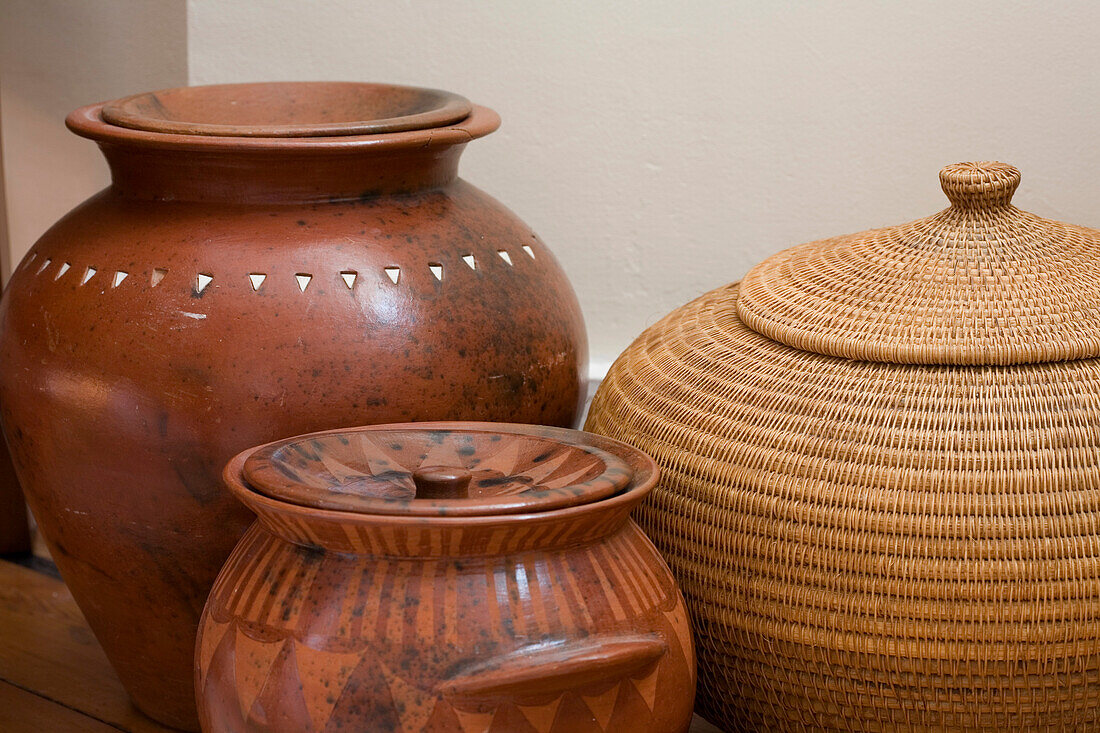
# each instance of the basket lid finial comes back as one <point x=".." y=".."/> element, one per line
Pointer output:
<point x="979" y="185"/>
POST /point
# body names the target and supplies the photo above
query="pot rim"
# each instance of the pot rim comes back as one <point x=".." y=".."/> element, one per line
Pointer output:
<point x="88" y="122"/>
<point x="646" y="474"/>
<point x="288" y="109"/>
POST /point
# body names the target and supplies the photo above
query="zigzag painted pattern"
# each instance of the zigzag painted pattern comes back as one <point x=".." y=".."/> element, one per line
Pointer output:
<point x="315" y="635"/>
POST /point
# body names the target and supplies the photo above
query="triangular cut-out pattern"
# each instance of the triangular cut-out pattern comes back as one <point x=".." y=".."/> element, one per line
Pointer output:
<point x="349" y="278"/>
<point x="394" y="273"/>
<point x="119" y="277"/>
<point x="257" y="279"/>
<point x="43" y="267"/>
<point x="158" y="275"/>
<point x="469" y="260"/>
<point x="62" y="270"/>
<point x="530" y="252"/>
<point x="504" y="255"/>
<point x="201" y="281"/>
<point x="89" y="273"/>
<point x="437" y="270"/>
<point x="303" y="279"/>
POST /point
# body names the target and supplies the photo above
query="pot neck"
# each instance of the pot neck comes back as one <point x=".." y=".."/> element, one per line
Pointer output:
<point x="283" y="177"/>
<point x="419" y="538"/>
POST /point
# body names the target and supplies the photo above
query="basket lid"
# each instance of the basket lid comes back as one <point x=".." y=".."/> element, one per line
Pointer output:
<point x="438" y="469"/>
<point x="981" y="282"/>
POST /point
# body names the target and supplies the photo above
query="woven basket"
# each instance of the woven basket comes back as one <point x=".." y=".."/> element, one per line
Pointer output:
<point x="881" y="473"/>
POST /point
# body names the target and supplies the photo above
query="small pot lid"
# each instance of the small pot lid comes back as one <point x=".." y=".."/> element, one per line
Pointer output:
<point x="288" y="109"/>
<point x="981" y="282"/>
<point x="441" y="469"/>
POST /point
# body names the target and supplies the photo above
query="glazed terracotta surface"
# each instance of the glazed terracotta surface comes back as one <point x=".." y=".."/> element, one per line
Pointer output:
<point x="564" y="620"/>
<point x="15" y="533"/>
<point x="305" y="109"/>
<point x="227" y="291"/>
<point x="382" y="472"/>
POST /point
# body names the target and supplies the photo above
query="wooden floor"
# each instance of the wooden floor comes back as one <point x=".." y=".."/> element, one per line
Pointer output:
<point x="53" y="674"/>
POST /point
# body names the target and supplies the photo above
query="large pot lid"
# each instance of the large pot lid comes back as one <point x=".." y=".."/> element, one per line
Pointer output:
<point x="981" y="282"/>
<point x="440" y="469"/>
<point x="288" y="109"/>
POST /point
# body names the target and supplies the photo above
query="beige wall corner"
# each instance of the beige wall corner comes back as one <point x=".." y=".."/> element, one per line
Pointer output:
<point x="55" y="56"/>
<point x="660" y="149"/>
<point x="5" y="247"/>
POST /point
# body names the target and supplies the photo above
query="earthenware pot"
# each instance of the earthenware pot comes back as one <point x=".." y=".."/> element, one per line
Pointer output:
<point x="15" y="534"/>
<point x="270" y="259"/>
<point x="444" y="577"/>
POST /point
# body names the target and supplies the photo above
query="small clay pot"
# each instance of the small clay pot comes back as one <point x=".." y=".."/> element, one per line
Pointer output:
<point x="444" y="577"/>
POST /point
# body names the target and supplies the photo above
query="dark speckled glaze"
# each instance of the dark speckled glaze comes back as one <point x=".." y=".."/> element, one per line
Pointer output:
<point x="381" y="472"/>
<point x="229" y="290"/>
<point x="556" y="620"/>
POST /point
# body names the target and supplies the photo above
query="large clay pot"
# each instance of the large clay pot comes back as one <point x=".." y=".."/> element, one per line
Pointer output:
<point x="270" y="259"/>
<point x="445" y="577"/>
<point x="15" y="532"/>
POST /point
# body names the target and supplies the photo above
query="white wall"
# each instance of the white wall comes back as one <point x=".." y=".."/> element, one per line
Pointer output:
<point x="55" y="56"/>
<point x="663" y="148"/>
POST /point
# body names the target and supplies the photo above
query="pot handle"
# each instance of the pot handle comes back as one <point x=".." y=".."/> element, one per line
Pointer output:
<point x="542" y="669"/>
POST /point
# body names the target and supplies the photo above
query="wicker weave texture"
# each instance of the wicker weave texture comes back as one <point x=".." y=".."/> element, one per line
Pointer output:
<point x="870" y="546"/>
<point x="982" y="282"/>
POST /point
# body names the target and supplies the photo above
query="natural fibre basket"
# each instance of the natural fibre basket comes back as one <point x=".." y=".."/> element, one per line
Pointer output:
<point x="881" y="473"/>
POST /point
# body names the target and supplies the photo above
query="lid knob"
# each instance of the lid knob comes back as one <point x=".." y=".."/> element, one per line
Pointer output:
<point x="441" y="482"/>
<point x="979" y="185"/>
